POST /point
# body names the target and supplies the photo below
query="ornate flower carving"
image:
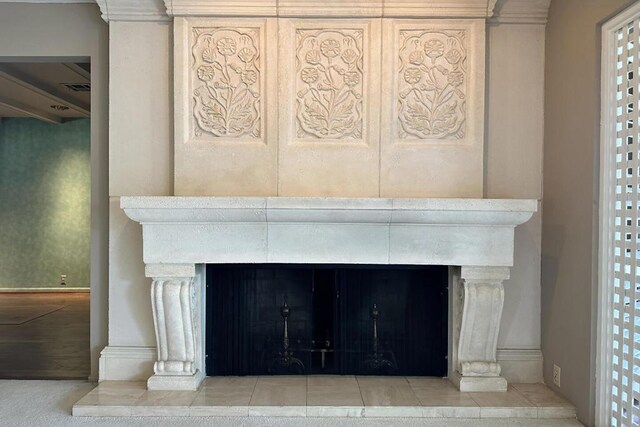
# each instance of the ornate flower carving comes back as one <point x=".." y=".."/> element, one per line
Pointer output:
<point x="329" y="91"/>
<point x="206" y="72"/>
<point x="246" y="55"/>
<point x="249" y="77"/>
<point x="313" y="57"/>
<point x="330" y="48"/>
<point x="416" y="57"/>
<point x="309" y="75"/>
<point x="349" y="56"/>
<point x="412" y="75"/>
<point x="227" y="90"/>
<point x="434" y="49"/>
<point x="455" y="78"/>
<point x="453" y="56"/>
<point x="351" y="78"/>
<point x="208" y="55"/>
<point x="431" y="93"/>
<point x="226" y="46"/>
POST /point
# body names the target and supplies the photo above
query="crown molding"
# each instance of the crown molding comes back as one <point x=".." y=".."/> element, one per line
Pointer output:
<point x="333" y="8"/>
<point x="521" y="12"/>
<point x="499" y="11"/>
<point x="221" y="7"/>
<point x="133" y="10"/>
<point x="439" y="8"/>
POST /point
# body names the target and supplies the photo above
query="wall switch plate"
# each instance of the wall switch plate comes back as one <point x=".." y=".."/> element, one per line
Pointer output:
<point x="63" y="280"/>
<point x="556" y="375"/>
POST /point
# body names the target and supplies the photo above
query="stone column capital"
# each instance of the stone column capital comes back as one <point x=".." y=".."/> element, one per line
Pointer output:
<point x="165" y="271"/>
<point x="485" y="274"/>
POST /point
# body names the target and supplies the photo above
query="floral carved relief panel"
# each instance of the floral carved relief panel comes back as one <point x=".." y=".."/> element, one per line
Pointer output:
<point x="432" y="121"/>
<point x="432" y="76"/>
<point x="329" y="83"/>
<point x="226" y="76"/>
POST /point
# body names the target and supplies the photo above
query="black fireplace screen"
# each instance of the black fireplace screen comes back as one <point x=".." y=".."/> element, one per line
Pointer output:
<point x="308" y="319"/>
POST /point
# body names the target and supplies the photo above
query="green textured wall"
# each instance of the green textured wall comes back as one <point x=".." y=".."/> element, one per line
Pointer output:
<point x="44" y="203"/>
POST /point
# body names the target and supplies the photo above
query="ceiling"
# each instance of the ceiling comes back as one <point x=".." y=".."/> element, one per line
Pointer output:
<point x="41" y="91"/>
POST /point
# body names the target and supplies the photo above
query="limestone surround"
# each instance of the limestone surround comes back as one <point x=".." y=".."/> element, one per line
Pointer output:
<point x="141" y="44"/>
<point x="182" y="234"/>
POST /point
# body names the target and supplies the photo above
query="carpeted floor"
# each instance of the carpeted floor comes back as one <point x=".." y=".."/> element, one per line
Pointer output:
<point x="48" y="403"/>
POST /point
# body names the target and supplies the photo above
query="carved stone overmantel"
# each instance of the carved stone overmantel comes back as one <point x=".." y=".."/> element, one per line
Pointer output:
<point x="480" y="294"/>
<point x="176" y="297"/>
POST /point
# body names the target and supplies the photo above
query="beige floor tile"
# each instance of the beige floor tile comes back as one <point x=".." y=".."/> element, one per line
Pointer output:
<point x="508" y="399"/>
<point x="515" y="412"/>
<point x="279" y="395"/>
<point x="230" y="396"/>
<point x="451" y="412"/>
<point x="332" y="380"/>
<point x="223" y="382"/>
<point x="449" y="397"/>
<point x="166" y="398"/>
<point x="277" y="411"/>
<point x="393" y="411"/>
<point x="285" y="380"/>
<point x="541" y="395"/>
<point x="366" y="381"/>
<point x="114" y="393"/>
<point x="430" y="382"/>
<point x="389" y="396"/>
<point x="334" y="396"/>
<point x="335" y="411"/>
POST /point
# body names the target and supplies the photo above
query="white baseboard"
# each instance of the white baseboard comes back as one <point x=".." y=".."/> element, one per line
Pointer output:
<point x="126" y="363"/>
<point x="61" y="289"/>
<point x="520" y="366"/>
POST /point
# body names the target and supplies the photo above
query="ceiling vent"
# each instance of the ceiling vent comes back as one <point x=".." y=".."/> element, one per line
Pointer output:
<point x="78" y="87"/>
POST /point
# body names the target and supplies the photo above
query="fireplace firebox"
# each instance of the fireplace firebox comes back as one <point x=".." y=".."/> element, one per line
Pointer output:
<point x="326" y="319"/>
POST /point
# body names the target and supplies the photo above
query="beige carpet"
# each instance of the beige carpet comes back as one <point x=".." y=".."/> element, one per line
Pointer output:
<point x="48" y="404"/>
<point x="17" y="315"/>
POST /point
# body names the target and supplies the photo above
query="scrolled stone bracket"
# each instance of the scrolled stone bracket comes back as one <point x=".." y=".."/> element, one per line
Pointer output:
<point x="482" y="298"/>
<point x="175" y="300"/>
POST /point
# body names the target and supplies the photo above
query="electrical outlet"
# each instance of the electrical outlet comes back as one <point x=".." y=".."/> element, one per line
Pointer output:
<point x="556" y="375"/>
<point x="63" y="280"/>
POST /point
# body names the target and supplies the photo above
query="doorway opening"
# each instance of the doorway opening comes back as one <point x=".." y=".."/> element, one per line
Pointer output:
<point x="45" y="235"/>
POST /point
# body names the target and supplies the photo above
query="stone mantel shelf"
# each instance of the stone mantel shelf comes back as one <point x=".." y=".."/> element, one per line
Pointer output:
<point x="328" y="230"/>
<point x="157" y="209"/>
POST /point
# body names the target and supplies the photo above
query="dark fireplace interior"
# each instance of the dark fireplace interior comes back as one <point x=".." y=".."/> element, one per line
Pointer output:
<point x="340" y="319"/>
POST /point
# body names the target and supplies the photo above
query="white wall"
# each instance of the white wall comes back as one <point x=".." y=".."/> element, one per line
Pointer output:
<point x="569" y="237"/>
<point x="513" y="167"/>
<point x="64" y="33"/>
<point x="141" y="108"/>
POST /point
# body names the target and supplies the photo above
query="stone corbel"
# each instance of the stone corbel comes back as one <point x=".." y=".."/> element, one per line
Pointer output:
<point x="481" y="294"/>
<point x="175" y="299"/>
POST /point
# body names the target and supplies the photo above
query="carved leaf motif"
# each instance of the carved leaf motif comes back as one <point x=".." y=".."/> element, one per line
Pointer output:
<point x="225" y="76"/>
<point x="432" y="84"/>
<point x="329" y="84"/>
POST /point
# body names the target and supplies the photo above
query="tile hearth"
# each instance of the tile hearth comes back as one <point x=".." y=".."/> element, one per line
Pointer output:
<point x="323" y="396"/>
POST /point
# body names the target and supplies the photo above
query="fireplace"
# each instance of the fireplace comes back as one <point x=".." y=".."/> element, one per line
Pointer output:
<point x="473" y="237"/>
<point x="339" y="319"/>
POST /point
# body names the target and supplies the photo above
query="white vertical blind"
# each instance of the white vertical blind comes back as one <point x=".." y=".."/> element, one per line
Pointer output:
<point x="623" y="141"/>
